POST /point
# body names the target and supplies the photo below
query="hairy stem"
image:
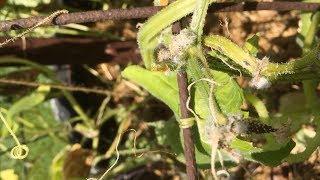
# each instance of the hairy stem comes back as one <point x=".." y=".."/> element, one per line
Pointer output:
<point x="258" y="105"/>
<point x="309" y="86"/>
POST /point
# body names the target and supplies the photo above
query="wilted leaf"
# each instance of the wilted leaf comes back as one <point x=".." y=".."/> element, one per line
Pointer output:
<point x="77" y="163"/>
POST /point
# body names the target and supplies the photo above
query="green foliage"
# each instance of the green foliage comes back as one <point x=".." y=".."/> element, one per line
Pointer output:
<point x="24" y="104"/>
<point x="252" y="44"/>
<point x="29" y="3"/>
<point x="228" y="96"/>
<point x="228" y="93"/>
<point x="158" y="84"/>
<point x="43" y="142"/>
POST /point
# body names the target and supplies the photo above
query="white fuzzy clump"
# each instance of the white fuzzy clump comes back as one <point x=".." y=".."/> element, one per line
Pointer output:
<point x="259" y="82"/>
<point x="176" y="49"/>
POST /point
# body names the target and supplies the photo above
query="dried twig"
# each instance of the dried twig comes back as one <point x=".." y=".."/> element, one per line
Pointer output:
<point x="55" y="86"/>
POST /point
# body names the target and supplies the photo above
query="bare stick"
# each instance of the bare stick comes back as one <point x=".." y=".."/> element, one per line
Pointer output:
<point x="55" y="86"/>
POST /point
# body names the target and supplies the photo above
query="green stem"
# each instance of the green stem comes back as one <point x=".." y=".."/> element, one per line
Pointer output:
<point x="309" y="86"/>
<point x="309" y="39"/>
<point x="258" y="105"/>
<point x="199" y="17"/>
<point x="272" y="71"/>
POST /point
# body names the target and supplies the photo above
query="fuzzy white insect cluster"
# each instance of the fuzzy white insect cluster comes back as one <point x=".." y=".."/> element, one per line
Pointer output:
<point x="228" y="131"/>
<point x="258" y="81"/>
<point x="176" y="49"/>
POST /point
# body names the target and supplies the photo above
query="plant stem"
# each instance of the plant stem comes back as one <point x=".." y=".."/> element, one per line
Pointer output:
<point x="187" y="133"/>
<point x="309" y="86"/>
<point x="258" y="105"/>
<point x="198" y="18"/>
<point x="272" y="71"/>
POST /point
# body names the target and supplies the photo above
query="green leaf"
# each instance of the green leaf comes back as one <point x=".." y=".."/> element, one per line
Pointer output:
<point x="29" y="3"/>
<point x="252" y="44"/>
<point x="304" y="24"/>
<point x="29" y="101"/>
<point x="231" y="50"/>
<point x="41" y="154"/>
<point x="169" y="134"/>
<point x="266" y="157"/>
<point x="163" y="87"/>
<point x="56" y="168"/>
<point x="274" y="158"/>
<point x="152" y="28"/>
<point x="293" y="106"/>
<point x="229" y="95"/>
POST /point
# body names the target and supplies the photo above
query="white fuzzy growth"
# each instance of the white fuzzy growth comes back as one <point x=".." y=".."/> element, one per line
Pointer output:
<point x="176" y="49"/>
<point x="240" y="127"/>
<point x="181" y="41"/>
<point x="260" y="83"/>
<point x="163" y="55"/>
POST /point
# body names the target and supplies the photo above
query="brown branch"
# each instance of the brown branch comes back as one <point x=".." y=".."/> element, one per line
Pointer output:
<point x="144" y="12"/>
<point x="187" y="133"/>
<point x="55" y="86"/>
<point x="189" y="153"/>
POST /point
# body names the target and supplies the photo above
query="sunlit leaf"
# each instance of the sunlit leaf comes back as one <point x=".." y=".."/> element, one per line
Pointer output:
<point x="163" y="87"/>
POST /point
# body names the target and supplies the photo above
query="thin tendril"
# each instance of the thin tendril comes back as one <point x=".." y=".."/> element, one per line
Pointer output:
<point x="20" y="151"/>
<point x="117" y="153"/>
<point x="45" y="20"/>
<point x="223" y="171"/>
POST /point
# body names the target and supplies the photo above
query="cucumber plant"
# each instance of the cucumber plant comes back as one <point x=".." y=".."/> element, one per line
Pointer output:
<point x="222" y="128"/>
